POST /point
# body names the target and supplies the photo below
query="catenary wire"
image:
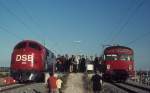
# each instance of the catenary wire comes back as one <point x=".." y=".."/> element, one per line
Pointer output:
<point x="18" y="18"/>
<point x="139" y="5"/>
<point x="121" y="20"/>
<point x="11" y="33"/>
<point x="30" y="16"/>
<point x="139" y="38"/>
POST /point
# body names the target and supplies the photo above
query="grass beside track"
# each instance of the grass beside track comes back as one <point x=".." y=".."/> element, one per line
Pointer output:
<point x="4" y="74"/>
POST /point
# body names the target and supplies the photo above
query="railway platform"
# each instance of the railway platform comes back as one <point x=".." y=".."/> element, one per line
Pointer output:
<point x="75" y="84"/>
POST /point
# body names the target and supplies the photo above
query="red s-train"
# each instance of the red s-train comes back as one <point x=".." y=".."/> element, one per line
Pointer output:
<point x="119" y="63"/>
<point x="30" y="60"/>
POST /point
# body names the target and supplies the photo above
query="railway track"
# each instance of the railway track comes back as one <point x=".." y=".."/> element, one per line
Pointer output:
<point x="25" y="88"/>
<point x="138" y="86"/>
<point x="5" y="85"/>
<point x="12" y="87"/>
<point x="131" y="88"/>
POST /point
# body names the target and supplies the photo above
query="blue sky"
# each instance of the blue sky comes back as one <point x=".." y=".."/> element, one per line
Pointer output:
<point x="60" y="23"/>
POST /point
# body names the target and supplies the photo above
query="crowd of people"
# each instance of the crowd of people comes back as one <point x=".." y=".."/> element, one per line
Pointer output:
<point x="77" y="63"/>
<point x="71" y="64"/>
<point x="74" y="64"/>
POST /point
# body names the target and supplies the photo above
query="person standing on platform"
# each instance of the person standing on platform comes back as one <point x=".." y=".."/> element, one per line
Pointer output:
<point x="73" y="64"/>
<point x="77" y="60"/>
<point x="96" y="63"/>
<point x="82" y="64"/>
<point x="97" y="82"/>
<point x="52" y="83"/>
<point x="59" y="84"/>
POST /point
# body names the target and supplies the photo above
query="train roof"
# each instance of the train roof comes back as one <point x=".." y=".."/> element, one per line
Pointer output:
<point x="114" y="47"/>
<point x="33" y="42"/>
<point x="48" y="50"/>
<point x="118" y="50"/>
<point x="30" y="41"/>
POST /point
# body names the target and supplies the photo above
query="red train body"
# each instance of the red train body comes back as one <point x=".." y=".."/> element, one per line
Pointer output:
<point x="119" y="63"/>
<point x="30" y="60"/>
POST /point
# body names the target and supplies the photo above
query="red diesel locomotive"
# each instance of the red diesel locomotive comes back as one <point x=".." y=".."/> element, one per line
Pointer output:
<point x="30" y="60"/>
<point x="119" y="63"/>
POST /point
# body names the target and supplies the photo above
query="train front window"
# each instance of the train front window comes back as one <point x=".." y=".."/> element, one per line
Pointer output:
<point x="110" y="57"/>
<point x="35" y="46"/>
<point x="125" y="57"/>
<point x="21" y="45"/>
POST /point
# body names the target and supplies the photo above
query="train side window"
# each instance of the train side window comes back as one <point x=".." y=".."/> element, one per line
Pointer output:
<point x="21" y="45"/>
<point x="128" y="58"/>
<point x="35" y="46"/>
<point x="52" y="55"/>
<point x="47" y="53"/>
<point x="103" y="57"/>
<point x="131" y="58"/>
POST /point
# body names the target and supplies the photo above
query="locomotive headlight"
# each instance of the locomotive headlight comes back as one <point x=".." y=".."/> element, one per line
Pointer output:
<point x="14" y="81"/>
<point x="108" y="66"/>
<point x="130" y="67"/>
<point x="4" y="81"/>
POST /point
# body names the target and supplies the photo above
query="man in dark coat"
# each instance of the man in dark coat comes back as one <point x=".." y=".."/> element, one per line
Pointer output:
<point x="96" y="63"/>
<point x="96" y="80"/>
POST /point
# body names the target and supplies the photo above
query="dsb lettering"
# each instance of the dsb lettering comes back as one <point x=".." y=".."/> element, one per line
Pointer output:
<point x="24" y="58"/>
